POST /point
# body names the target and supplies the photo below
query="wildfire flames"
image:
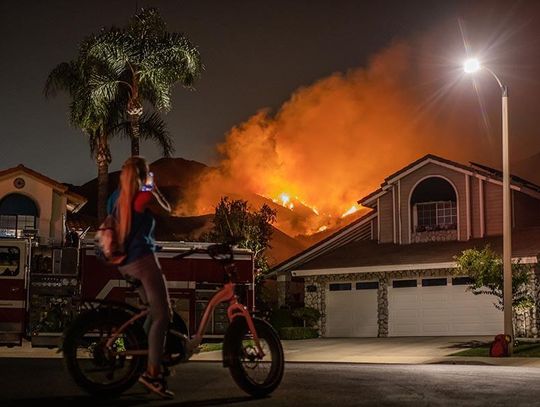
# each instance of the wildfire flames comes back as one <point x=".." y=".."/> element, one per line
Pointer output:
<point x="352" y="210"/>
<point x="333" y="142"/>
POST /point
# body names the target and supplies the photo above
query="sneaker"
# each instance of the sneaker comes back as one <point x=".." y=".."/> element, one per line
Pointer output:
<point x="156" y="384"/>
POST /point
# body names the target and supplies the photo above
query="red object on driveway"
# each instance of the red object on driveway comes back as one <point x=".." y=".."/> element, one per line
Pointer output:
<point x="499" y="346"/>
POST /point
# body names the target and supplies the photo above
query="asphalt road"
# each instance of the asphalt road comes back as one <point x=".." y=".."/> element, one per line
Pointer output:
<point x="44" y="382"/>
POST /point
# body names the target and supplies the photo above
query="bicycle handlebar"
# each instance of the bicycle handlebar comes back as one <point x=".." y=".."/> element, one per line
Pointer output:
<point x="221" y="252"/>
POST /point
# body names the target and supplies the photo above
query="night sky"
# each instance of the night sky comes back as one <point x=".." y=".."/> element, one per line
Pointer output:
<point x="256" y="54"/>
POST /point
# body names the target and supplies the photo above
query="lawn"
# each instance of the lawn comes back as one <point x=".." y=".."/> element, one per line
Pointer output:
<point x="210" y="347"/>
<point x="213" y="346"/>
<point x="522" y="350"/>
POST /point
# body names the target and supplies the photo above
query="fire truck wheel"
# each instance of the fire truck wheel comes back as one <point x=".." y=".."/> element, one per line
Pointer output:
<point x="258" y="376"/>
<point x="97" y="369"/>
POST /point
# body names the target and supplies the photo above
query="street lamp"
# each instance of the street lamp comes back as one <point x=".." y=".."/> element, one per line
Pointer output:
<point x="470" y="66"/>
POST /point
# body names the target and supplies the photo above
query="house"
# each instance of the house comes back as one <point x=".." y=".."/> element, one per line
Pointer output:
<point x="31" y="202"/>
<point x="389" y="273"/>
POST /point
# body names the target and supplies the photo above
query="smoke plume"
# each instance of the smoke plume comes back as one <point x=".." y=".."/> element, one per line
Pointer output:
<point x="336" y="140"/>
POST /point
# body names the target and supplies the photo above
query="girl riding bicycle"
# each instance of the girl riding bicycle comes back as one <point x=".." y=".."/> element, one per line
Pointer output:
<point x="132" y="203"/>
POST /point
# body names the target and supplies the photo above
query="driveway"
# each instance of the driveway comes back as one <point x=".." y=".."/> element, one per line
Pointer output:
<point x="377" y="350"/>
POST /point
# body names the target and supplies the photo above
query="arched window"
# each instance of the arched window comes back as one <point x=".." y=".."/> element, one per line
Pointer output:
<point x="17" y="213"/>
<point x="434" y="205"/>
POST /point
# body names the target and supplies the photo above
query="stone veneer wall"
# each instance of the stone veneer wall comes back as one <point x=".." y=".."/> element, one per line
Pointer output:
<point x="525" y="322"/>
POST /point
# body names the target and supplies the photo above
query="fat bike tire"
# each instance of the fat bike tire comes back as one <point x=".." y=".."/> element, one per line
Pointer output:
<point x="87" y="361"/>
<point x="257" y="377"/>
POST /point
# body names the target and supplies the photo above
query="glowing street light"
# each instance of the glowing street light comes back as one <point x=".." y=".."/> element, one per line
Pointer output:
<point x="470" y="66"/>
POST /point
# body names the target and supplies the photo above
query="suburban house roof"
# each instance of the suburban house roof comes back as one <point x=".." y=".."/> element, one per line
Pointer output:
<point x="75" y="201"/>
<point x="354" y="230"/>
<point x="368" y="255"/>
<point x="478" y="170"/>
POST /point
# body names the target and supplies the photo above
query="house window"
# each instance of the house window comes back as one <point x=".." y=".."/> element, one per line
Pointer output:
<point x="436" y="216"/>
<point x="367" y="285"/>
<point x="462" y="281"/>
<point x="433" y="282"/>
<point x="17" y="212"/>
<point x="8" y="225"/>
<point x="404" y="283"/>
<point x="13" y="225"/>
<point x="340" y="287"/>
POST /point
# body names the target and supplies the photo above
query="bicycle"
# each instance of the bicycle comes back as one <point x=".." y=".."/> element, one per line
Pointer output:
<point x="105" y="347"/>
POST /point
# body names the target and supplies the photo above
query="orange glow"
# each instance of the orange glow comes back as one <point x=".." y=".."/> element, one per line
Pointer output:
<point x="334" y="141"/>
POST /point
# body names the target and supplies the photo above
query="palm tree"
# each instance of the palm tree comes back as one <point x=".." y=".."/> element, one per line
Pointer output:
<point x="73" y="78"/>
<point x="142" y="63"/>
<point x="99" y="121"/>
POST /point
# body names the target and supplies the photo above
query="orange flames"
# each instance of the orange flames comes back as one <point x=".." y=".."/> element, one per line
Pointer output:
<point x="334" y="142"/>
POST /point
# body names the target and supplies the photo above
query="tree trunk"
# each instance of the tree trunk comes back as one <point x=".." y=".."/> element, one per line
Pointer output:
<point x="135" y="141"/>
<point x="103" y="158"/>
<point x="134" y="111"/>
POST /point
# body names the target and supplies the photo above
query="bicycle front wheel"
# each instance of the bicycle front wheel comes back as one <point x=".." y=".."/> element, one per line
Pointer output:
<point x="100" y="370"/>
<point x="258" y="376"/>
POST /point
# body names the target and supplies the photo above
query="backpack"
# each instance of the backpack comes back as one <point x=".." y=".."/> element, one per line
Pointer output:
<point x="499" y="346"/>
<point x="106" y="244"/>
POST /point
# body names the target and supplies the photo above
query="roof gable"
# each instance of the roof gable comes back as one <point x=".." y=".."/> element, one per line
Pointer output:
<point x="58" y="186"/>
<point x="478" y="170"/>
<point x="344" y="235"/>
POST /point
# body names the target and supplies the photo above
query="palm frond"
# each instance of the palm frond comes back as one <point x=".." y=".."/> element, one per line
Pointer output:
<point x="153" y="128"/>
<point x="175" y="59"/>
<point x="63" y="77"/>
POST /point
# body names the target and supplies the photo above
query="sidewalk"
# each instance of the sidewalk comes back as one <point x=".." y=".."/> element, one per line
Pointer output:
<point x="417" y="350"/>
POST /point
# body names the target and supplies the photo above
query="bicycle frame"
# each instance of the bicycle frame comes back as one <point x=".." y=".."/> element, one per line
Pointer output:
<point x="235" y="310"/>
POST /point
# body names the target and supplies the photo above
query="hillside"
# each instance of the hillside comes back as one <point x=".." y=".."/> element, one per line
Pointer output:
<point x="174" y="175"/>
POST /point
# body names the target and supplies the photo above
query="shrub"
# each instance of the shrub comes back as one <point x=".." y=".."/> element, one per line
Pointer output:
<point x="297" y="332"/>
<point x="281" y="318"/>
<point x="309" y="316"/>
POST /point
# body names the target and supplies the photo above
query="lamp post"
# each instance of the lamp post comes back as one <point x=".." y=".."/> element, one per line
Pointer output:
<point x="470" y="66"/>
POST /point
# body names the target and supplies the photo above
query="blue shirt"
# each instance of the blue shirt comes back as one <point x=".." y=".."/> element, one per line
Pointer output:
<point x="140" y="241"/>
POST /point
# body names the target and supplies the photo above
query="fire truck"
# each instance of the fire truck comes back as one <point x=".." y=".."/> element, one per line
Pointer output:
<point x="42" y="287"/>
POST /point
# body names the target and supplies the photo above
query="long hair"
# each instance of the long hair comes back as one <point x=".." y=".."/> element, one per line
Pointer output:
<point x="134" y="171"/>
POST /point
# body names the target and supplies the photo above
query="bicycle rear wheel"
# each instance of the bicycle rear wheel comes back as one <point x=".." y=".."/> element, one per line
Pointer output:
<point x="255" y="375"/>
<point x="99" y="370"/>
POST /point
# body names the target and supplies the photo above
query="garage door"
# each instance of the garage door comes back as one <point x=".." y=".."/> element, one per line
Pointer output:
<point x="440" y="307"/>
<point x="351" y="309"/>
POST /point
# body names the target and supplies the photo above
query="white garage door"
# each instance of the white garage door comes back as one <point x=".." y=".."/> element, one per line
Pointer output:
<point x="440" y="307"/>
<point x="351" y="309"/>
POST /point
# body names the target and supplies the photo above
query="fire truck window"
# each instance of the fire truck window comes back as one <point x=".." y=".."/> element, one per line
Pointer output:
<point x="9" y="261"/>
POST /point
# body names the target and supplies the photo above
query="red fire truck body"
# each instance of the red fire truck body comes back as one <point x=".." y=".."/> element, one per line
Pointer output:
<point x="36" y="302"/>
